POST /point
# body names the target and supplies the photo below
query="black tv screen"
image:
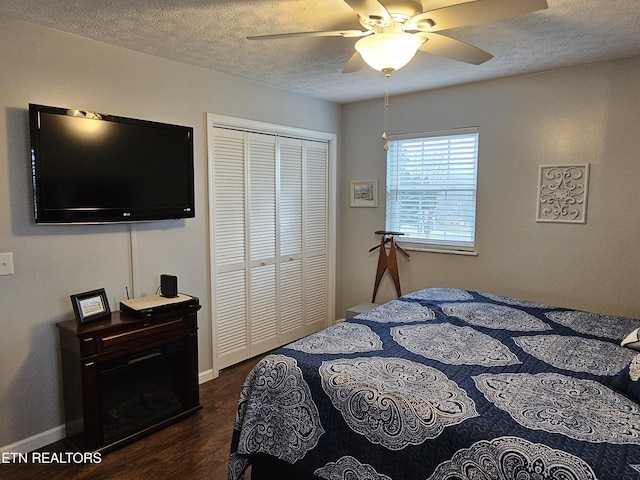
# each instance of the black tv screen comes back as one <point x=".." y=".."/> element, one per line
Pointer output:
<point x="94" y="168"/>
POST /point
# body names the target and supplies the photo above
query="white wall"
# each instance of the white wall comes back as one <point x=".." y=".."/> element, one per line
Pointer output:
<point x="41" y="65"/>
<point x="584" y="114"/>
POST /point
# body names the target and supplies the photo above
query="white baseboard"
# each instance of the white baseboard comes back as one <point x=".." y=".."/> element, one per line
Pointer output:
<point x="205" y="376"/>
<point x="58" y="433"/>
<point x="37" y="441"/>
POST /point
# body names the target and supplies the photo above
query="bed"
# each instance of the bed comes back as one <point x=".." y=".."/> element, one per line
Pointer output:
<point x="446" y="384"/>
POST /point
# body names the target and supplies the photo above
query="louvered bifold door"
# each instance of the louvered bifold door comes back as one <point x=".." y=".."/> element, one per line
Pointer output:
<point x="315" y="235"/>
<point x="229" y="245"/>
<point x="290" y="239"/>
<point x="270" y="241"/>
<point x="263" y="295"/>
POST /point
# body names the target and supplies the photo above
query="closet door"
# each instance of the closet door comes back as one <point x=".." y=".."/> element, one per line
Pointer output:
<point x="316" y="235"/>
<point x="230" y="309"/>
<point x="269" y="241"/>
<point x="290" y="236"/>
<point x="263" y="291"/>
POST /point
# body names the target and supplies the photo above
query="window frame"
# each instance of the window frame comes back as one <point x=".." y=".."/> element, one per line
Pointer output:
<point x="463" y="247"/>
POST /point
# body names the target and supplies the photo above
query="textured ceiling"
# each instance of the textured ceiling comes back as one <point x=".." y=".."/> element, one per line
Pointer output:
<point x="212" y="34"/>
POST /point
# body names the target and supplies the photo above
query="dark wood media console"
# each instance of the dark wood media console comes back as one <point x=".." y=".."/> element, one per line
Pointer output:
<point x="125" y="377"/>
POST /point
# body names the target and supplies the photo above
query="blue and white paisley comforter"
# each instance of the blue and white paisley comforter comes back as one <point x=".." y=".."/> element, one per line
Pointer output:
<point x="447" y="384"/>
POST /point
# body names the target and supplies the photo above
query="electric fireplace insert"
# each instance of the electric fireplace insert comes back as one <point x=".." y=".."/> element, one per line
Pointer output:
<point x="125" y="377"/>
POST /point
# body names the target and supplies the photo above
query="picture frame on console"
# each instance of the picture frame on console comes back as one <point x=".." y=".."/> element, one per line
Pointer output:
<point x="90" y="305"/>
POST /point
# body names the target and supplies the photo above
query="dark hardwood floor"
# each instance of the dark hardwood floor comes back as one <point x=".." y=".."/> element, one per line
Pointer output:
<point x="194" y="449"/>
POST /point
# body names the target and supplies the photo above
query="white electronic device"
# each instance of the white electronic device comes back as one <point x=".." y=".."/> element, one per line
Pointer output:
<point x="157" y="304"/>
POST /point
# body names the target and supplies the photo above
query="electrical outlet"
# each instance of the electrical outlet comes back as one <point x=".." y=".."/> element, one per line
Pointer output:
<point x="6" y="263"/>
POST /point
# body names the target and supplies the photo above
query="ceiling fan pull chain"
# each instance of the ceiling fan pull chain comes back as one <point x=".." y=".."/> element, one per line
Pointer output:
<point x="386" y="113"/>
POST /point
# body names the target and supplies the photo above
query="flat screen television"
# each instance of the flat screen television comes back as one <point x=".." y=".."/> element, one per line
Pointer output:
<point x="90" y="167"/>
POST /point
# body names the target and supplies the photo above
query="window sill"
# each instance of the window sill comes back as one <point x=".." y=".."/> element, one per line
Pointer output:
<point x="419" y="248"/>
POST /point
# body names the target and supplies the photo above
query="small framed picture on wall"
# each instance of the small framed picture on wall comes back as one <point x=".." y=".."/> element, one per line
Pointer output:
<point x="364" y="193"/>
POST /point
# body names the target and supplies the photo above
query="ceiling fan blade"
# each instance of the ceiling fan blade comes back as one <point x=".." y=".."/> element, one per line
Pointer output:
<point x="471" y="13"/>
<point x="332" y="33"/>
<point x="370" y="9"/>
<point x="354" y="64"/>
<point x="451" y="48"/>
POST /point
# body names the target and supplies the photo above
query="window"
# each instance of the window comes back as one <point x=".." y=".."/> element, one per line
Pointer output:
<point x="431" y="188"/>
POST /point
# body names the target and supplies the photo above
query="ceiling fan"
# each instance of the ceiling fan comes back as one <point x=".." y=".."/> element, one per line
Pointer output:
<point x="394" y="30"/>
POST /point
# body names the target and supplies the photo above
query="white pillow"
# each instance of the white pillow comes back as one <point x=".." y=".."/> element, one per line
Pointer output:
<point x="632" y="340"/>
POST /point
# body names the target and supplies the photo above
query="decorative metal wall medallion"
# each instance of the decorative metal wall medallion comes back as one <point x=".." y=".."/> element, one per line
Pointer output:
<point x="562" y="193"/>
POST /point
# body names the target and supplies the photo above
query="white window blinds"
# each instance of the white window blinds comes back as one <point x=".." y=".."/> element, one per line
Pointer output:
<point x="431" y="188"/>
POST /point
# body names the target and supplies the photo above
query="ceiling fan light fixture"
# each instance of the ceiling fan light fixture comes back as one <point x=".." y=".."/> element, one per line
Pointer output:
<point x="388" y="51"/>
